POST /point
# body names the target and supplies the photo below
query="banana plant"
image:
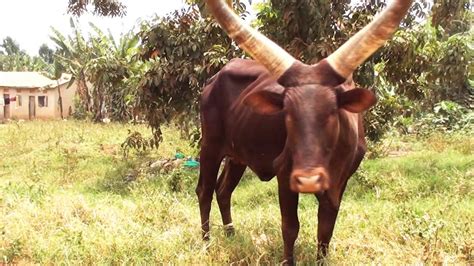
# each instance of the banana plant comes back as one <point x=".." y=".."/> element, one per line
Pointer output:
<point x="74" y="54"/>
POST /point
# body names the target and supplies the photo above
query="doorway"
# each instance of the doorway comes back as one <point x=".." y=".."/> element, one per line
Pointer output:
<point x="6" y="107"/>
<point x="32" y="107"/>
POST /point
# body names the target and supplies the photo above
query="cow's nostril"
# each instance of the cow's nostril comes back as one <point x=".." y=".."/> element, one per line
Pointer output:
<point x="298" y="180"/>
<point x="317" y="178"/>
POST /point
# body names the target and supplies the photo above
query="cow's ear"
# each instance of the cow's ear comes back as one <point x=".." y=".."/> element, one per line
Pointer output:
<point x="267" y="101"/>
<point x="356" y="100"/>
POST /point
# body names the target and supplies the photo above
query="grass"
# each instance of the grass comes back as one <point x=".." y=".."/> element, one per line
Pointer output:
<point x="68" y="196"/>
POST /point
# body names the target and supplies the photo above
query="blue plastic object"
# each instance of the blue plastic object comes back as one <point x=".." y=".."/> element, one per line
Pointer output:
<point x="191" y="163"/>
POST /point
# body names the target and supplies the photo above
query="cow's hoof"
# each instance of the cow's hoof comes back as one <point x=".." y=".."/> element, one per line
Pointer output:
<point x="288" y="262"/>
<point x="229" y="230"/>
<point x="206" y="236"/>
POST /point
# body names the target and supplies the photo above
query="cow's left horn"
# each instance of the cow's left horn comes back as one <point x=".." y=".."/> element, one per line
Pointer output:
<point x="262" y="49"/>
<point x="362" y="45"/>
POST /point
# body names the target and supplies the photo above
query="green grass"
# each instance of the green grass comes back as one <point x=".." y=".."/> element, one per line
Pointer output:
<point x="66" y="197"/>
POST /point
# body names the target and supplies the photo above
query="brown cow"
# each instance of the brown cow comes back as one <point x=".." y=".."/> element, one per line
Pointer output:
<point x="280" y="117"/>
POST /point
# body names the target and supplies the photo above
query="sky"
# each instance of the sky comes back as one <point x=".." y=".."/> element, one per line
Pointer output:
<point x="29" y="22"/>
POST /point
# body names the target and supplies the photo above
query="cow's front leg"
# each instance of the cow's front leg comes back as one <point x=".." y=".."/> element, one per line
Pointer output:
<point x="327" y="214"/>
<point x="289" y="219"/>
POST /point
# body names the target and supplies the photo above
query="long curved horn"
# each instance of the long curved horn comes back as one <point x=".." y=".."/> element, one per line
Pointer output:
<point x="262" y="49"/>
<point x="364" y="43"/>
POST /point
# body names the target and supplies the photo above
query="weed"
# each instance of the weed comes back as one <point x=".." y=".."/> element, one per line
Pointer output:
<point x="11" y="252"/>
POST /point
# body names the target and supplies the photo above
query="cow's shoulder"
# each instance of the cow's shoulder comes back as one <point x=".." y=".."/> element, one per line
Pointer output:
<point x="238" y="67"/>
<point x="237" y="73"/>
<point x="231" y="80"/>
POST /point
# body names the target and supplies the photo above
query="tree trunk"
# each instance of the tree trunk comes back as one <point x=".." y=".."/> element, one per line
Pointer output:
<point x="60" y="100"/>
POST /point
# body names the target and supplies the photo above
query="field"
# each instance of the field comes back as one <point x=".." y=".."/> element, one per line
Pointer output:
<point x="68" y="195"/>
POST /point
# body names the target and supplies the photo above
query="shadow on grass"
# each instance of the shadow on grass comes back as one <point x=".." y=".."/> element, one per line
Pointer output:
<point x="136" y="173"/>
<point x="120" y="178"/>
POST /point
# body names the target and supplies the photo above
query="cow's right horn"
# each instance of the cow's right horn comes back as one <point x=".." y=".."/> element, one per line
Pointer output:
<point x="262" y="49"/>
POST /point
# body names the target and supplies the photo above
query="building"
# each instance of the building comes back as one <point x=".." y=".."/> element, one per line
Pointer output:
<point x="34" y="96"/>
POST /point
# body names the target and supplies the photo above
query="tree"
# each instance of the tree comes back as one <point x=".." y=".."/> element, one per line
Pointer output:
<point x="185" y="49"/>
<point x="107" y="71"/>
<point x="12" y="58"/>
<point x="114" y="72"/>
<point x="46" y="53"/>
<point x="10" y="46"/>
<point x="111" y="8"/>
<point x="73" y="53"/>
<point x="452" y="16"/>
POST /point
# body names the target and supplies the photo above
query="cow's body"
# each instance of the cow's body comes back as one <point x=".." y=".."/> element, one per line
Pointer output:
<point x="246" y="138"/>
<point x="254" y="139"/>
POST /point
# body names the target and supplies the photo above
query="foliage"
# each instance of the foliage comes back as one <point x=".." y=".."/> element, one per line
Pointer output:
<point x="10" y="46"/>
<point x="428" y="60"/>
<point x="431" y="69"/>
<point x="184" y="50"/>
<point x="21" y="62"/>
<point x="110" y="8"/>
<point x="136" y="141"/>
<point x="430" y="65"/>
<point x="447" y="116"/>
<point x="114" y="72"/>
<point x="12" y="58"/>
<point x="46" y="53"/>
<point x="311" y="30"/>
<point x="74" y="54"/>
<point x="452" y="16"/>
<point x="107" y="71"/>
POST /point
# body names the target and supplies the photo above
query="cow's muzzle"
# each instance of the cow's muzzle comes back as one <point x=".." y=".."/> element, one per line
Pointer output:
<point x="310" y="181"/>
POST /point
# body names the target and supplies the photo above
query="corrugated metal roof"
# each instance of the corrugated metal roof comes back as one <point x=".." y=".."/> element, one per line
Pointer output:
<point x="30" y="80"/>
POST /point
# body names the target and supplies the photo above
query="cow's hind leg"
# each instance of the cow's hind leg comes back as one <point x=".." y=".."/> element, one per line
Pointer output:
<point x="228" y="180"/>
<point x="210" y="159"/>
